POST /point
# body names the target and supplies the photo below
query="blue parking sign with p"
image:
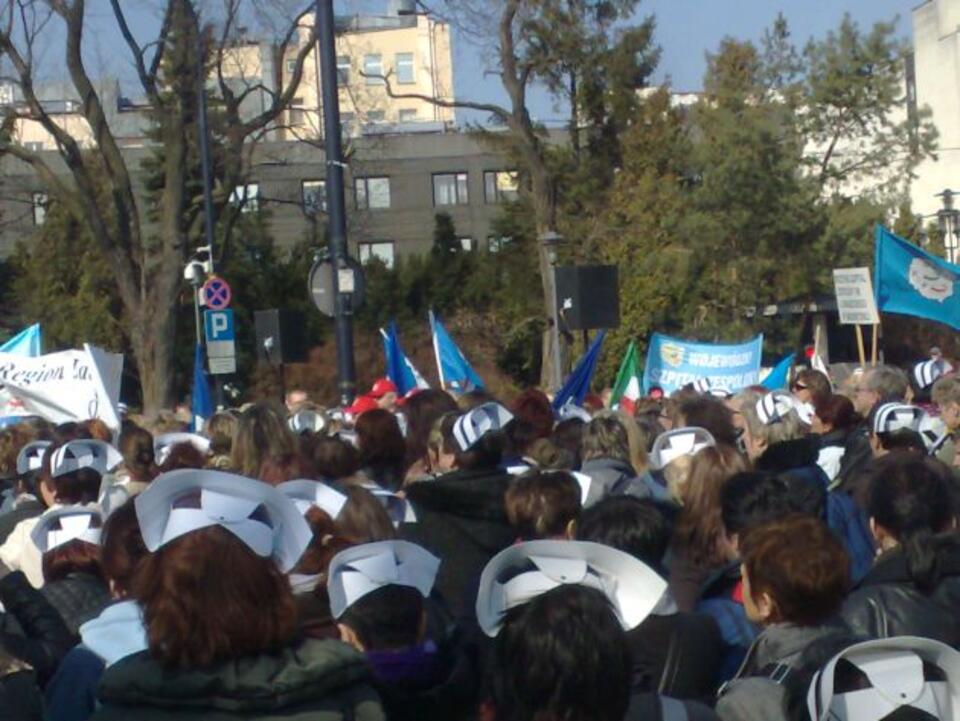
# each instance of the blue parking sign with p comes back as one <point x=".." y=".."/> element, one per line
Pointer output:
<point x="218" y="325"/>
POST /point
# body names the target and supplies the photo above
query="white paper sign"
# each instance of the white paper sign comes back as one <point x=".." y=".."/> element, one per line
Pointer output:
<point x="855" y="300"/>
<point x="73" y="385"/>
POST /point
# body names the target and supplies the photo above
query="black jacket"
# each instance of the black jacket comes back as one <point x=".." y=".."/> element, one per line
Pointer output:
<point x="78" y="598"/>
<point x="28" y="508"/>
<point x="20" y="699"/>
<point x="887" y="603"/>
<point x="32" y="629"/>
<point x="677" y="655"/>
<point x="461" y="519"/>
<point x="315" y="680"/>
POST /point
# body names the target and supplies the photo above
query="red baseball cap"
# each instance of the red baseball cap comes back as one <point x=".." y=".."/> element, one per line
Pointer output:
<point x="362" y="404"/>
<point x="381" y="387"/>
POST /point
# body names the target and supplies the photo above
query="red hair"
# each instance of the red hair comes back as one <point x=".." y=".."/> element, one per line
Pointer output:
<point x="208" y="598"/>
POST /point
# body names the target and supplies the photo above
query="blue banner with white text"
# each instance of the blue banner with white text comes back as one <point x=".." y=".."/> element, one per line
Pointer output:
<point x="673" y="363"/>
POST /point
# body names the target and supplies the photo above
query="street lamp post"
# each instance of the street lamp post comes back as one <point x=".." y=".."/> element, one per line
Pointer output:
<point x="948" y="220"/>
<point x="343" y="279"/>
<point x="551" y="241"/>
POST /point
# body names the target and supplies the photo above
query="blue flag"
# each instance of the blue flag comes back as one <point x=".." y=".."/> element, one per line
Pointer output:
<point x="911" y="281"/>
<point x="200" y="405"/>
<point x="28" y="343"/>
<point x="578" y="384"/>
<point x="778" y="378"/>
<point x="399" y="368"/>
<point x="454" y="368"/>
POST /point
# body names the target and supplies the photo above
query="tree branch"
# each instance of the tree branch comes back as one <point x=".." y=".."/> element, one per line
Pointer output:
<point x="491" y="108"/>
<point x="146" y="80"/>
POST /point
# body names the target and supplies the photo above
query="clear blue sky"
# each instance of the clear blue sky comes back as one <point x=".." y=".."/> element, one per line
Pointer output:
<point x="687" y="29"/>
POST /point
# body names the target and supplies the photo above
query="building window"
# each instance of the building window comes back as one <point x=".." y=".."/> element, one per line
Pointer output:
<point x="314" y="194"/>
<point x="246" y="197"/>
<point x="499" y="186"/>
<point x="403" y="68"/>
<point x="407" y="115"/>
<point x="372" y="193"/>
<point x="34" y="146"/>
<point x="291" y="66"/>
<point x="450" y="189"/>
<point x="343" y="69"/>
<point x="297" y="115"/>
<point x="466" y="244"/>
<point x="375" y="116"/>
<point x="39" y="203"/>
<point x="381" y="250"/>
<point x="373" y="66"/>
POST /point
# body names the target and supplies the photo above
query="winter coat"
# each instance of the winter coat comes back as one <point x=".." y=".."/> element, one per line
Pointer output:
<point x="799" y="458"/>
<point x="722" y="600"/>
<point x="426" y="682"/>
<point x="315" y="680"/>
<point x="20" y="699"/>
<point x="677" y="654"/>
<point x="31" y="628"/>
<point x="116" y="633"/>
<point x="20" y="553"/>
<point x="24" y="507"/>
<point x="461" y="519"/>
<point x="856" y="457"/>
<point x="78" y="598"/>
<point x="771" y="683"/>
<point x="887" y="602"/>
<point x="612" y="477"/>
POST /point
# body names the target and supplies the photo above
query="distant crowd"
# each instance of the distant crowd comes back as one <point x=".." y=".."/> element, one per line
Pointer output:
<point x="754" y="555"/>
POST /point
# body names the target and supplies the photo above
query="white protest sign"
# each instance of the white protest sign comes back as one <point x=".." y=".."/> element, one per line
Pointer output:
<point x="73" y="385"/>
<point x="855" y="300"/>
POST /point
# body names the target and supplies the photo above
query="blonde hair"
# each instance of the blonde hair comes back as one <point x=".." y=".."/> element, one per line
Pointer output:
<point x="946" y="390"/>
<point x="261" y="432"/>
<point x="787" y="428"/>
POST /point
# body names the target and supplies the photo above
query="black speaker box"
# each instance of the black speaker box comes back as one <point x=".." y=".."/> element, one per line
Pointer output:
<point x="588" y="296"/>
<point x="281" y="336"/>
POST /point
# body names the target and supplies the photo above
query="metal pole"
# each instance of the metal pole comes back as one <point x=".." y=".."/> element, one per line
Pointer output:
<point x="335" y="198"/>
<point x="209" y="218"/>
<point x="196" y="312"/>
<point x="557" y="371"/>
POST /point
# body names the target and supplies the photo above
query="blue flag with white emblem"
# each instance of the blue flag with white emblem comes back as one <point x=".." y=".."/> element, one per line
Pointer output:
<point x="400" y="369"/>
<point x="911" y="281"/>
<point x="455" y="370"/>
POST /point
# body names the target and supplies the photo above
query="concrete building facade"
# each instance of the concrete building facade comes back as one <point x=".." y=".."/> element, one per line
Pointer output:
<point x="936" y="84"/>
<point x="396" y="184"/>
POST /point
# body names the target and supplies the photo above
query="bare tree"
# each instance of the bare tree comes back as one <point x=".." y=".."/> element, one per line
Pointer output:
<point x="146" y="249"/>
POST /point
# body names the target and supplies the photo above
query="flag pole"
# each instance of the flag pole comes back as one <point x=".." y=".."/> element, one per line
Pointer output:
<point x="863" y="356"/>
<point x="436" y="350"/>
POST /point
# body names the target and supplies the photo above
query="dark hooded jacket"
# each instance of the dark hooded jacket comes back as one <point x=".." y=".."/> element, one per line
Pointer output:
<point x="315" y="680"/>
<point x="461" y="519"/>
<point x="798" y="458"/>
<point x="31" y="629"/>
<point x="889" y="603"/>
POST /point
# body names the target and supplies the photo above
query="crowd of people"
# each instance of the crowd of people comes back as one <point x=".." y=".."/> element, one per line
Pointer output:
<point x="759" y="555"/>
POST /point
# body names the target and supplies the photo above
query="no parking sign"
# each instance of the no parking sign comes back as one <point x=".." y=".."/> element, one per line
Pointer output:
<point x="216" y="294"/>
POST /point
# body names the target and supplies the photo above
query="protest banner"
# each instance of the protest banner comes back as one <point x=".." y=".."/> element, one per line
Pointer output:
<point x="857" y="306"/>
<point x="673" y="363"/>
<point x="73" y="385"/>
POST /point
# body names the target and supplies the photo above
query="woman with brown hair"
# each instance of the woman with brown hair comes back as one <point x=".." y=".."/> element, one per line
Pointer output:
<point x="220" y="617"/>
<point x="421" y="411"/>
<point x="74" y="584"/>
<point x="383" y="451"/>
<point x="261" y="432"/>
<point x="696" y="550"/>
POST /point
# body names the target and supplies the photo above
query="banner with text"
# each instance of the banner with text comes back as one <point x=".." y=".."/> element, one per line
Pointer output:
<point x="673" y="363"/>
<point x="73" y="385"/>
